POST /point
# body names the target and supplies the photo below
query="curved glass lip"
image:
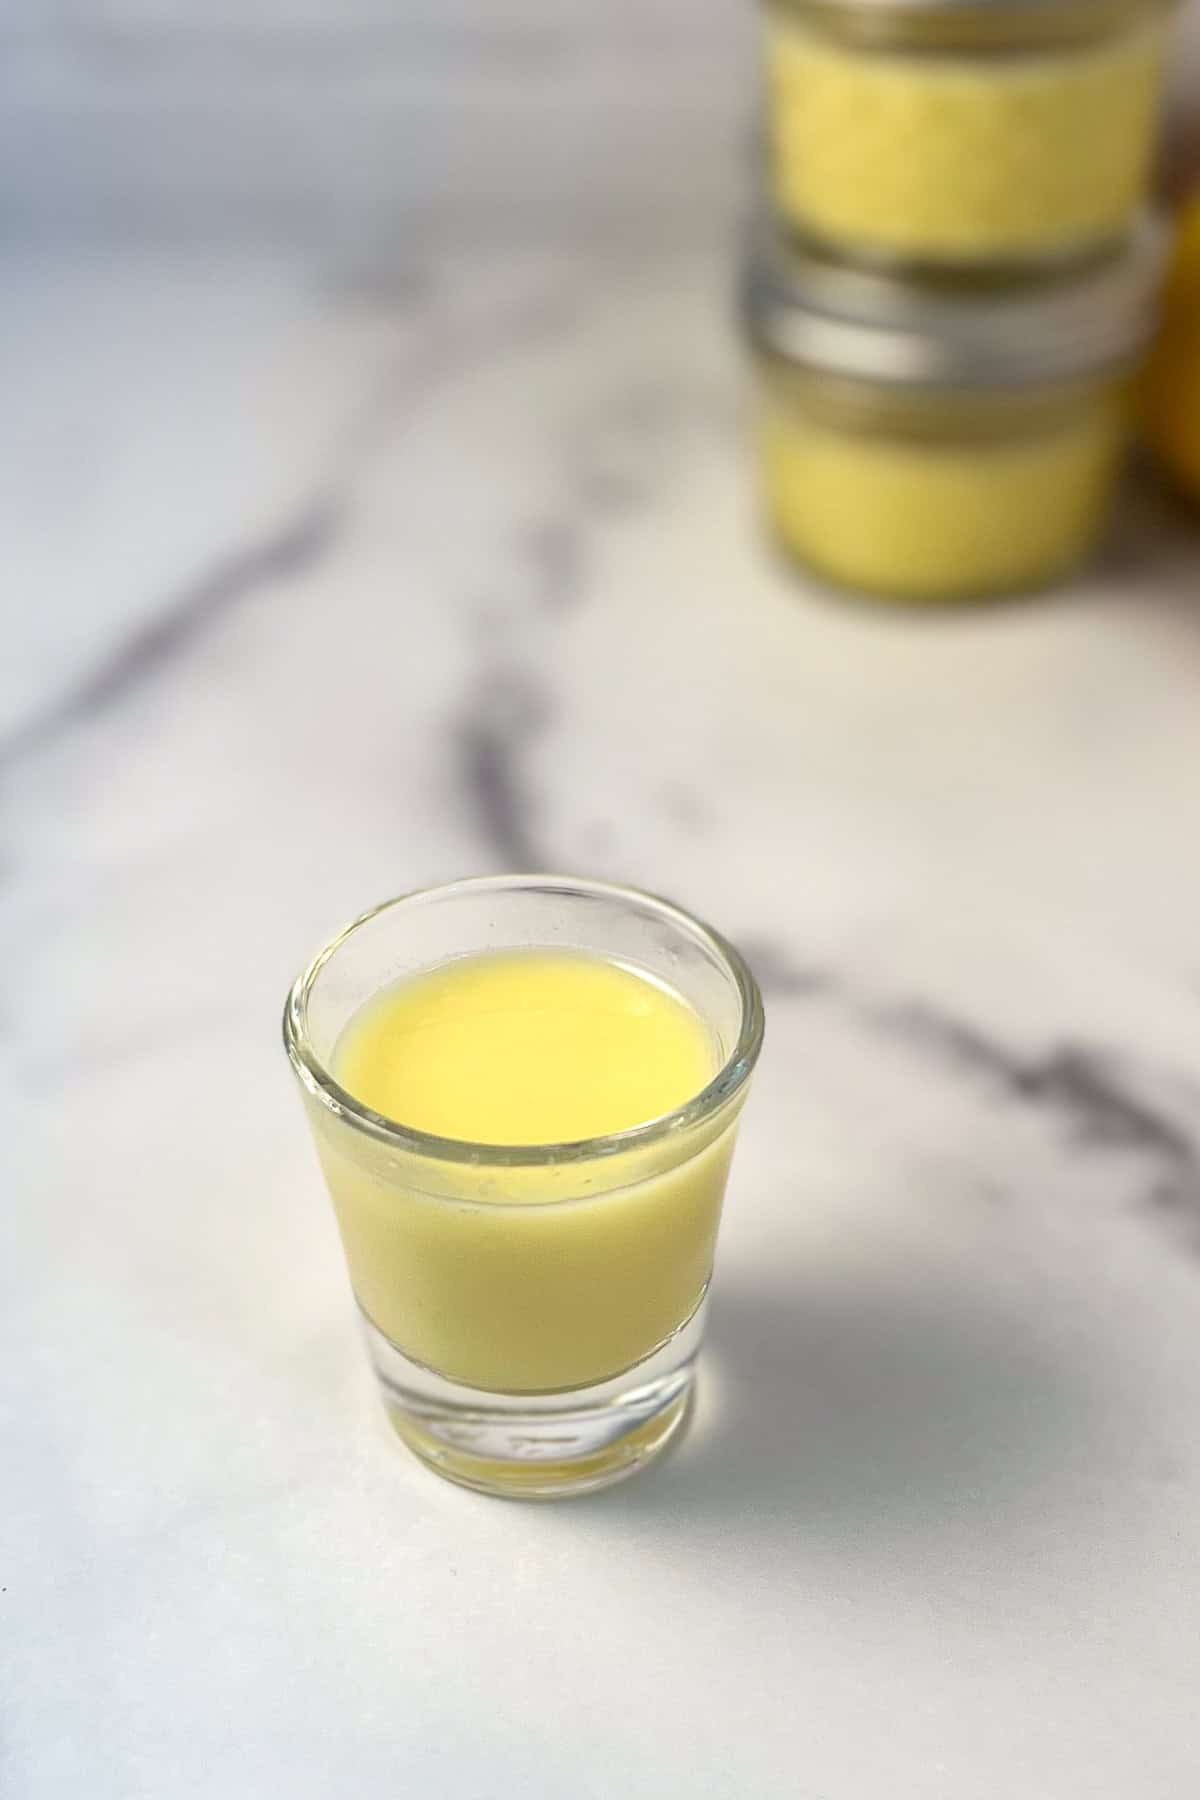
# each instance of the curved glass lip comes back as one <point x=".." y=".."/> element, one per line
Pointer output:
<point x="732" y="1076"/>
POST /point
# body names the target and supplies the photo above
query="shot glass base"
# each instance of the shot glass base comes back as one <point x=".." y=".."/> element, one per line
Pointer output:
<point x="540" y="1446"/>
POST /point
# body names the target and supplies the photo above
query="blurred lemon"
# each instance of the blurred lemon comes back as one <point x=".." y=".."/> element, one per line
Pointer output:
<point x="1172" y="390"/>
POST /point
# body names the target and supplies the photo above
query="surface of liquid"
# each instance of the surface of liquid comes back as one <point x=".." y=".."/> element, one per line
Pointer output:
<point x="525" y="1047"/>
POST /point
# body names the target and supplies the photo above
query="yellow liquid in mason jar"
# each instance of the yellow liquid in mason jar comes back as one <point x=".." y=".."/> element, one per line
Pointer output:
<point x="962" y="158"/>
<point x="523" y="1279"/>
<point x="934" y="520"/>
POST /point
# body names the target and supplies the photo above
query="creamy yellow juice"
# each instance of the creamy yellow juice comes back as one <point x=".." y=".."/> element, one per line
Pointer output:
<point x="960" y="157"/>
<point x="540" y="1275"/>
<point x="930" y="520"/>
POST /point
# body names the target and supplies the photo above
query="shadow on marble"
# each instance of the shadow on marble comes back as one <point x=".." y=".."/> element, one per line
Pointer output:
<point x="887" y="1413"/>
<point x="1151" y="560"/>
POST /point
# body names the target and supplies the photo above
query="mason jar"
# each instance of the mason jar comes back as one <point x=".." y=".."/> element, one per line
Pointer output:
<point x="938" y="444"/>
<point x="962" y="132"/>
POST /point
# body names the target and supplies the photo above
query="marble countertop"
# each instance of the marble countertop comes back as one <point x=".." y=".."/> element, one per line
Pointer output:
<point x="317" y="590"/>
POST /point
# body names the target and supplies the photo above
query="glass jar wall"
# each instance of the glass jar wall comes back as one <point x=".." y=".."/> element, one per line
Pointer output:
<point x="956" y="133"/>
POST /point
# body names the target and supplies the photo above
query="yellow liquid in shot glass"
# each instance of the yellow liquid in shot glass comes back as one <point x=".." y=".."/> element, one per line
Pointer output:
<point x="525" y="1047"/>
<point x="529" y="1278"/>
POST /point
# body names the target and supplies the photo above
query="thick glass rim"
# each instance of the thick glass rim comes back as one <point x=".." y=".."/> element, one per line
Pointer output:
<point x="732" y="1076"/>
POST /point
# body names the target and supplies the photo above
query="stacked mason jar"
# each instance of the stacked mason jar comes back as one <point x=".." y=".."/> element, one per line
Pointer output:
<point x="955" y="284"/>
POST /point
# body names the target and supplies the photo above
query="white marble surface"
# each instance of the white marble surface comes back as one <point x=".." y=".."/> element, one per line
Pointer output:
<point x="315" y="591"/>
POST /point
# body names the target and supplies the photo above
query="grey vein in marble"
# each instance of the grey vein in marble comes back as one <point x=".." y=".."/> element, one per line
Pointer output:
<point x="301" y="544"/>
<point x="500" y="718"/>
<point x="1096" y="1096"/>
<point x="297" y="548"/>
<point x="506" y="707"/>
<point x="778" y="971"/>
<point x="552" y="550"/>
<point x="1089" y="1091"/>
<point x="453" y="348"/>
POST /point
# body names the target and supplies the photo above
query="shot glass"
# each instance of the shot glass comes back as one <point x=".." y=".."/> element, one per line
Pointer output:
<point x="532" y="1312"/>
